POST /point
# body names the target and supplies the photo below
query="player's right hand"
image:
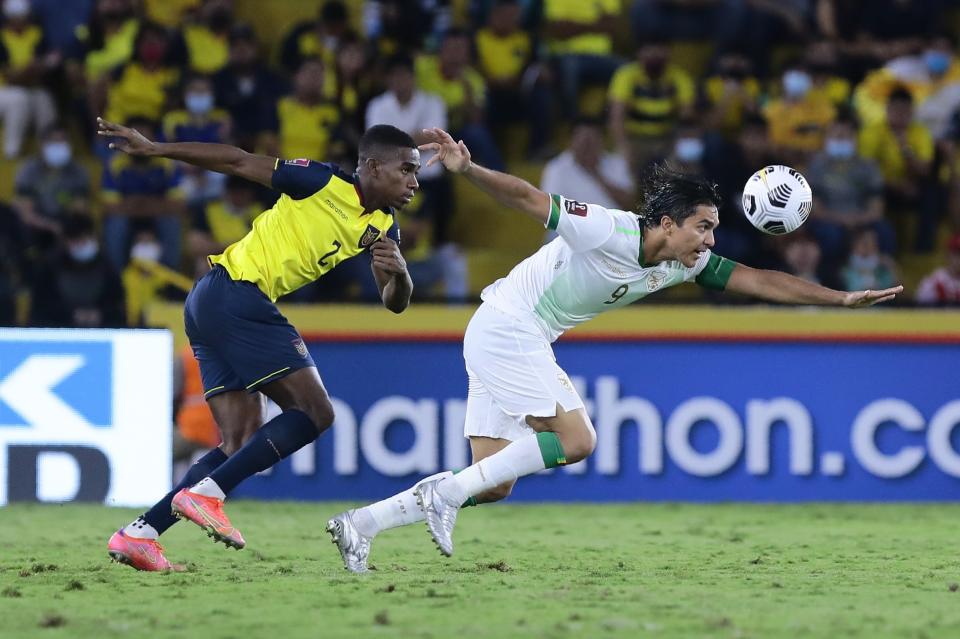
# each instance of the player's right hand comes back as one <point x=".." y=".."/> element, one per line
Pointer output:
<point x="454" y="155"/>
<point x="126" y="139"/>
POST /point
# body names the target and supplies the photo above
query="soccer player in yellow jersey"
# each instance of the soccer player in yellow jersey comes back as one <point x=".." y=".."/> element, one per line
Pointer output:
<point x="245" y="346"/>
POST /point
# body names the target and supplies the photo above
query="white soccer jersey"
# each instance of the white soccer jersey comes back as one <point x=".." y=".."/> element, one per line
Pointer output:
<point x="595" y="265"/>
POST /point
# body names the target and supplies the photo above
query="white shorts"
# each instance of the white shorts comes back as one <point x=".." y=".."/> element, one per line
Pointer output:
<point x="512" y="373"/>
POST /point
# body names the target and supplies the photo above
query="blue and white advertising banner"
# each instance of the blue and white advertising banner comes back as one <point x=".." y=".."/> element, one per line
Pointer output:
<point x="675" y="421"/>
<point x="85" y="415"/>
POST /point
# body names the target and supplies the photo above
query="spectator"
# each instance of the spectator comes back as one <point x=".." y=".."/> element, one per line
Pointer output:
<point x="462" y="89"/>
<point x="248" y="90"/>
<point x="717" y="21"/>
<point x="61" y="20"/>
<point x="942" y="287"/>
<point x="308" y="120"/>
<point x="687" y="151"/>
<point x="868" y="267"/>
<point x="50" y="187"/>
<point x="823" y="64"/>
<point x="395" y="26"/>
<point x="318" y="38"/>
<point x="206" y="40"/>
<point x="586" y="172"/>
<point x="580" y="37"/>
<point x="146" y="190"/>
<point x="769" y="24"/>
<point x="169" y="13"/>
<point x="801" y="257"/>
<point x="217" y="224"/>
<point x="77" y="287"/>
<point x="730" y="94"/>
<point x="140" y="88"/>
<point x="903" y="149"/>
<point x="847" y="192"/>
<point x="730" y="164"/>
<point x="516" y="84"/>
<point x="199" y="121"/>
<point x="412" y="110"/>
<point x="799" y="119"/>
<point x="107" y="40"/>
<point x="26" y="63"/>
<point x="352" y="91"/>
<point x="647" y="99"/>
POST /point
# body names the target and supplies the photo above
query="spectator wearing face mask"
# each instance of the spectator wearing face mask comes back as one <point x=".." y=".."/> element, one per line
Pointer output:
<point x="248" y="90"/>
<point x="25" y="63"/>
<point x="198" y="121"/>
<point x="868" y="267"/>
<point x="688" y="147"/>
<point x="147" y="191"/>
<point x="77" y="287"/>
<point x="48" y="187"/>
<point x="798" y="119"/>
<point x="847" y="192"/>
<point x="647" y="100"/>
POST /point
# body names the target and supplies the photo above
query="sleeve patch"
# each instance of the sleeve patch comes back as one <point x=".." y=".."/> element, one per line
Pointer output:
<point x="298" y="162"/>
<point x="575" y="208"/>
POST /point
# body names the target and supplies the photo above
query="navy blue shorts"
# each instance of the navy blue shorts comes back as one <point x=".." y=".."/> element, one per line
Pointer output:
<point x="239" y="336"/>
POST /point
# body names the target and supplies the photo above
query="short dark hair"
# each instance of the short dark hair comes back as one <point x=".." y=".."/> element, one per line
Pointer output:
<point x="77" y="225"/>
<point x="667" y="191"/>
<point x="399" y="61"/>
<point x="334" y="11"/>
<point x="382" y="137"/>
<point x="900" y="94"/>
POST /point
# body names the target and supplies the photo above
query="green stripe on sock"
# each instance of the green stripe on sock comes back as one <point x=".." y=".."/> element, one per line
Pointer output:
<point x="551" y="450"/>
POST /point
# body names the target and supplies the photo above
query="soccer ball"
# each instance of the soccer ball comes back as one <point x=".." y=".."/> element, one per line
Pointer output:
<point x="777" y="199"/>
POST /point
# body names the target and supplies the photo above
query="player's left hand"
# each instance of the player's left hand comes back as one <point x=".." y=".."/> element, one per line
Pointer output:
<point x="386" y="256"/>
<point x="857" y="299"/>
<point x="127" y="140"/>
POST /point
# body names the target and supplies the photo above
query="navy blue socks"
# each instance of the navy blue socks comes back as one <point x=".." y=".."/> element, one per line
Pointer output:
<point x="283" y="435"/>
<point x="160" y="516"/>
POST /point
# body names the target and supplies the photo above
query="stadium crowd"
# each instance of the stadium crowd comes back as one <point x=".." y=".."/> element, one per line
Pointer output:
<point x="863" y="96"/>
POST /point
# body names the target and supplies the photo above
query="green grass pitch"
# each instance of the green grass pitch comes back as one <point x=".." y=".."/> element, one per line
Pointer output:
<point x="531" y="571"/>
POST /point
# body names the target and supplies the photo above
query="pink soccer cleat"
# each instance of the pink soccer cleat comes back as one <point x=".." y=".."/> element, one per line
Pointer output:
<point x="142" y="554"/>
<point x="207" y="512"/>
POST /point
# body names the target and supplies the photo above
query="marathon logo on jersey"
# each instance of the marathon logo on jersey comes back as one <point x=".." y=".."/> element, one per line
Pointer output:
<point x="298" y="162"/>
<point x="300" y="347"/>
<point x="369" y="236"/>
<point x="575" y="208"/>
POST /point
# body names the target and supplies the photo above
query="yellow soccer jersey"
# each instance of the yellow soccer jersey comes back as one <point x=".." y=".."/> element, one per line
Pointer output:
<point x="317" y="223"/>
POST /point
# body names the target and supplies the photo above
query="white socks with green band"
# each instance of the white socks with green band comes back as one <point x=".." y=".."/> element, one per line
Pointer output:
<point x="525" y="456"/>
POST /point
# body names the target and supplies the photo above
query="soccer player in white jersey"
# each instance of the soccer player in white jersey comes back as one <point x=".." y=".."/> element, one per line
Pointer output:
<point x="523" y="415"/>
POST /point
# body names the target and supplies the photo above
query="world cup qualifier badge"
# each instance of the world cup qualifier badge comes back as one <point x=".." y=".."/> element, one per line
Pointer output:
<point x="369" y="236"/>
<point x="298" y="162"/>
<point x="301" y="347"/>
<point x="575" y="208"/>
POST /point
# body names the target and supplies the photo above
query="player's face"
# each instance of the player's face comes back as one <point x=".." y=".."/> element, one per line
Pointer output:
<point x="694" y="236"/>
<point x="397" y="178"/>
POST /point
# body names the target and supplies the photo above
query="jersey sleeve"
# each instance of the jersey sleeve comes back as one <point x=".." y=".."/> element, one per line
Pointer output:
<point x="394" y="232"/>
<point x="583" y="226"/>
<point x="712" y="271"/>
<point x="300" y="178"/>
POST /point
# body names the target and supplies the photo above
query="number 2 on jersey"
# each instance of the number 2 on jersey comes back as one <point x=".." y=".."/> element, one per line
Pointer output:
<point x="617" y="294"/>
<point x="336" y="247"/>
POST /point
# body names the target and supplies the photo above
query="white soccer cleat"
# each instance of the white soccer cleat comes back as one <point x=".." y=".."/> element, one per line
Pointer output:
<point x="354" y="547"/>
<point x="441" y="514"/>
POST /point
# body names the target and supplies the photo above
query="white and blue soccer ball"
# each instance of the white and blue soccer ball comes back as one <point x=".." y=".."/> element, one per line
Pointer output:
<point x="777" y="199"/>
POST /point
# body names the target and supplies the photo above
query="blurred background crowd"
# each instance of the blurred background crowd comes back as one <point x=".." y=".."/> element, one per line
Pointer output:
<point x="863" y="96"/>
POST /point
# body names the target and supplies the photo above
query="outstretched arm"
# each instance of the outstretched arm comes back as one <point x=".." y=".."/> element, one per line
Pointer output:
<point x="506" y="189"/>
<point x="221" y="158"/>
<point x="775" y="286"/>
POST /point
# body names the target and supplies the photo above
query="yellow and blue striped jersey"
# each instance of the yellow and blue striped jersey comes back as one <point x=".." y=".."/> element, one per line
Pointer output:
<point x="317" y="223"/>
